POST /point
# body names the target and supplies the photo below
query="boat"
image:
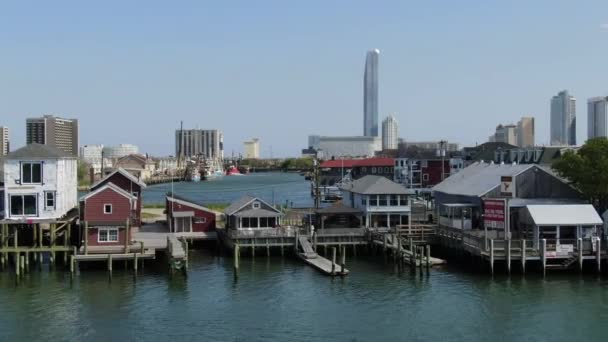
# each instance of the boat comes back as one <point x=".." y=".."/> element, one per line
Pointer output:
<point x="213" y="169"/>
<point x="233" y="171"/>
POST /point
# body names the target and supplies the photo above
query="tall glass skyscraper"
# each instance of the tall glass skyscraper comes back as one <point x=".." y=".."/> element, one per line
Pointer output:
<point x="597" y="117"/>
<point x="563" y="119"/>
<point x="370" y="94"/>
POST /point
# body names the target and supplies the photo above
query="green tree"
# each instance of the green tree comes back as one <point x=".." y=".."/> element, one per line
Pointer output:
<point x="587" y="171"/>
<point x="83" y="173"/>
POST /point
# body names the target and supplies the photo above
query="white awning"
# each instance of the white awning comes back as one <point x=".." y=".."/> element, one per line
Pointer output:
<point x="564" y="215"/>
<point x="183" y="214"/>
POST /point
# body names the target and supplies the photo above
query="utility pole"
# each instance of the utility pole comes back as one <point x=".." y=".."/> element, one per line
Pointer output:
<point x="442" y="151"/>
<point x="316" y="175"/>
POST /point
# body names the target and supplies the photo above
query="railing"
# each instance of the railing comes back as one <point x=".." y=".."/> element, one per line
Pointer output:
<point x="264" y="233"/>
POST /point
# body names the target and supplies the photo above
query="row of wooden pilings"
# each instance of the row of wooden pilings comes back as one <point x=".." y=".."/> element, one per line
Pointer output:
<point x="417" y="253"/>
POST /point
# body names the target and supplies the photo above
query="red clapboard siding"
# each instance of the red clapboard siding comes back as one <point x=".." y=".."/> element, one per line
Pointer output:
<point x="93" y="237"/>
<point x="209" y="216"/>
<point x="128" y="186"/>
<point x="94" y="207"/>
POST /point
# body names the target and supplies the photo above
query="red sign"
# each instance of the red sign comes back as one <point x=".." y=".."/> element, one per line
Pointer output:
<point x="494" y="213"/>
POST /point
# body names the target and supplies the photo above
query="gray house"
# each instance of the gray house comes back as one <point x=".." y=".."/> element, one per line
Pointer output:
<point x="249" y="213"/>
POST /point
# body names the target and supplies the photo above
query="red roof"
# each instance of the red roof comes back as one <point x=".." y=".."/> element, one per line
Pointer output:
<point x="349" y="163"/>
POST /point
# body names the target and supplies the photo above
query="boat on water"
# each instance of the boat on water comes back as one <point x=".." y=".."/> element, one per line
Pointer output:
<point x="213" y="169"/>
<point x="233" y="171"/>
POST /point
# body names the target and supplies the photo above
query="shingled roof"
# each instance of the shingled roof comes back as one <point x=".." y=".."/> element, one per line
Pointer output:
<point x="38" y="151"/>
<point x="375" y="185"/>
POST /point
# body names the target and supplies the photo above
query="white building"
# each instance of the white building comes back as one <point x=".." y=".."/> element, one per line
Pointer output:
<point x="339" y="147"/>
<point x="4" y="141"/>
<point x="251" y="149"/>
<point x="383" y="202"/>
<point x="563" y="119"/>
<point x="525" y="132"/>
<point x="506" y="134"/>
<point x="390" y="133"/>
<point x="40" y="183"/>
<point x="597" y="117"/>
<point x="122" y="150"/>
<point x="91" y="154"/>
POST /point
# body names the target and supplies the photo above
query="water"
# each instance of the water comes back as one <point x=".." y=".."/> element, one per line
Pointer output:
<point x="273" y="187"/>
<point x="281" y="299"/>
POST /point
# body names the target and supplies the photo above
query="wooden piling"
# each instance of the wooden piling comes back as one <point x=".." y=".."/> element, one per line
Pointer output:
<point x="22" y="264"/>
<point x="579" y="252"/>
<point x="598" y="254"/>
<point x="17" y="267"/>
<point x="236" y="260"/>
<point x="135" y="262"/>
<point x="544" y="256"/>
<point x="385" y="241"/>
<point x="72" y="262"/>
<point x="86" y="238"/>
<point x="508" y="256"/>
<point x="27" y="261"/>
<point x="343" y="259"/>
<point x="127" y="236"/>
<point x="333" y="261"/>
<point x="523" y="256"/>
<point x="492" y="256"/>
<point x="52" y="244"/>
<point x="428" y="256"/>
<point x="110" y="263"/>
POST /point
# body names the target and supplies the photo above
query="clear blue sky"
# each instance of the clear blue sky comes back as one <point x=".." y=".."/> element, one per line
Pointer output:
<point x="280" y="70"/>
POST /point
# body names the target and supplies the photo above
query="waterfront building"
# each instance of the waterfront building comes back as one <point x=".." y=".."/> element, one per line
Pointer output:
<point x="370" y="94"/>
<point x="40" y="183"/>
<point x="563" y="119"/>
<point x="484" y="152"/>
<point x="251" y="149"/>
<point x="250" y="212"/>
<point x="166" y="165"/>
<point x="5" y="147"/>
<point x="91" y="154"/>
<point x="191" y="143"/>
<point x="119" y="151"/>
<point x="525" y="132"/>
<point x="429" y="145"/>
<point x="138" y="165"/>
<point x="542" y="155"/>
<point x="597" y="117"/>
<point x="345" y="146"/>
<point x="186" y="216"/>
<point x="129" y="183"/>
<point x="109" y="212"/>
<point x="418" y="169"/>
<point x="383" y="202"/>
<point x="390" y="133"/>
<point x="343" y="170"/>
<point x="53" y="131"/>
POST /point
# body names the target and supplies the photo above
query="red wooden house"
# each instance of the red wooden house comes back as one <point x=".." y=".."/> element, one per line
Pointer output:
<point x="184" y="215"/>
<point x="129" y="183"/>
<point x="107" y="213"/>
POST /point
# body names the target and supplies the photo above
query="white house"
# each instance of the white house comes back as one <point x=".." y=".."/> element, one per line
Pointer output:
<point x="40" y="182"/>
<point x="383" y="202"/>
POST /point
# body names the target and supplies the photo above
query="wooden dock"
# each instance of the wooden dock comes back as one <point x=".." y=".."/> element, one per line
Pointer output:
<point x="318" y="262"/>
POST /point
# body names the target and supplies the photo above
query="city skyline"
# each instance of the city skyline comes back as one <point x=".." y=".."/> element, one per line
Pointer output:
<point x="167" y="72"/>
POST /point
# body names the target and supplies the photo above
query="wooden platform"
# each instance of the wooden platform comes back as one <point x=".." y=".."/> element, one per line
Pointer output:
<point x="323" y="265"/>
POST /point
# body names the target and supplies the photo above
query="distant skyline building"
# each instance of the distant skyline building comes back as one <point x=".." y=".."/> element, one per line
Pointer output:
<point x="525" y="132"/>
<point x="505" y="134"/>
<point x="390" y="133"/>
<point x="91" y="154"/>
<point x="563" y="119"/>
<point x="53" y="131"/>
<point x="344" y="146"/>
<point x="428" y="145"/>
<point x="198" y="142"/>
<point x="119" y="151"/>
<point x="370" y="94"/>
<point x="251" y="149"/>
<point x="597" y="117"/>
<point x="5" y="147"/>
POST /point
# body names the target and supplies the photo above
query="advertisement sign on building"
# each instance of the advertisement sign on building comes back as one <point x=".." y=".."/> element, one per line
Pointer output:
<point x="494" y="213"/>
<point x="507" y="186"/>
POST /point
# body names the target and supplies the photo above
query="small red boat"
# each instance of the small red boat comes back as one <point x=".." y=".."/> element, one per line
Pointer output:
<point x="233" y="171"/>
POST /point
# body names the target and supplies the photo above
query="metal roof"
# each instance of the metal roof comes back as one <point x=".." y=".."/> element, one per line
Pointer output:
<point x="173" y="197"/>
<point x="564" y="215"/>
<point x="376" y="185"/>
<point x="479" y="178"/>
<point x="238" y="204"/>
<point x="38" y="151"/>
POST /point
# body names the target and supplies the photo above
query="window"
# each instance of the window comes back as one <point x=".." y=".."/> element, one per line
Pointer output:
<point x="134" y="193"/>
<point x="49" y="200"/>
<point x="425" y="177"/>
<point x="387" y="170"/>
<point x="382" y="200"/>
<point x="394" y="200"/>
<point x="373" y="170"/>
<point x="364" y="169"/>
<point x="373" y="200"/>
<point x="23" y="205"/>
<point x="256" y="205"/>
<point x="107" y="208"/>
<point x="200" y="220"/>
<point x="31" y="173"/>
<point x="107" y="235"/>
<point x="363" y="201"/>
<point x="403" y="200"/>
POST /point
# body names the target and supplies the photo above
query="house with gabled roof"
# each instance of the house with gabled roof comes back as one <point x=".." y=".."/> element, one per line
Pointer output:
<point x="40" y="182"/>
<point x="249" y="213"/>
<point x="186" y="215"/>
<point x="383" y="202"/>
<point x="127" y="182"/>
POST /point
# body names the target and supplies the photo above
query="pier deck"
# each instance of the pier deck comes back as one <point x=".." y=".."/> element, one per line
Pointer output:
<point x="318" y="262"/>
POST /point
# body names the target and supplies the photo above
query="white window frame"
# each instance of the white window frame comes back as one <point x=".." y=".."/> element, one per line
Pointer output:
<point x="106" y="231"/>
<point x="9" y="205"/>
<point x="199" y="220"/>
<point x="256" y="205"/>
<point x="105" y="206"/>
<point x="31" y="163"/>
<point x="46" y="200"/>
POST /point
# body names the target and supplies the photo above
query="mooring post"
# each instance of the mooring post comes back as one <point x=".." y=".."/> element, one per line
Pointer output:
<point x="135" y="262"/>
<point x="492" y="256"/>
<point x="333" y="260"/>
<point x="523" y="256"/>
<point x="428" y="256"/>
<point x="72" y="261"/>
<point x="127" y="236"/>
<point x="86" y="237"/>
<point x="267" y="248"/>
<point x="27" y="261"/>
<point x="236" y="260"/>
<point x="509" y="256"/>
<point x="544" y="256"/>
<point x="110" y="263"/>
<point x="22" y="264"/>
<point x="52" y="244"/>
<point x="598" y="255"/>
<point x="17" y="266"/>
<point x="385" y="241"/>
<point x="413" y="258"/>
<point x="579" y="252"/>
<point x="343" y="258"/>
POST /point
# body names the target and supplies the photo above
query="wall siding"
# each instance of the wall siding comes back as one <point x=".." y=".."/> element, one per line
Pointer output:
<point x="92" y="238"/>
<point x="94" y="207"/>
<point x="208" y="226"/>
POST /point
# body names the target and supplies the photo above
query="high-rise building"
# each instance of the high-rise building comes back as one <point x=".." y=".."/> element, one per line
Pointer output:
<point x="4" y="141"/>
<point x="563" y="119"/>
<point x="370" y="94"/>
<point x="506" y="134"/>
<point x="597" y="117"/>
<point x="390" y="133"/>
<point x="91" y="154"/>
<point x="197" y="142"/>
<point x="525" y="132"/>
<point x="251" y="149"/>
<point x="53" y="131"/>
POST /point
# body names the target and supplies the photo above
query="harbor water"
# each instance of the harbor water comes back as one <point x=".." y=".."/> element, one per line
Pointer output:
<point x="281" y="299"/>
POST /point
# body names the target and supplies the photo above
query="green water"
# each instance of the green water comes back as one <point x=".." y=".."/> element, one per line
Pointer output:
<point x="281" y="299"/>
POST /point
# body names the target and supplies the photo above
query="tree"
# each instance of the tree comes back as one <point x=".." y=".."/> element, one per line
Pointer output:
<point x="83" y="173"/>
<point x="587" y="171"/>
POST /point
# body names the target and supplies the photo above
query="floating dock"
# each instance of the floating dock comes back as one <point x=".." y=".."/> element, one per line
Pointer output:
<point x="323" y="265"/>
